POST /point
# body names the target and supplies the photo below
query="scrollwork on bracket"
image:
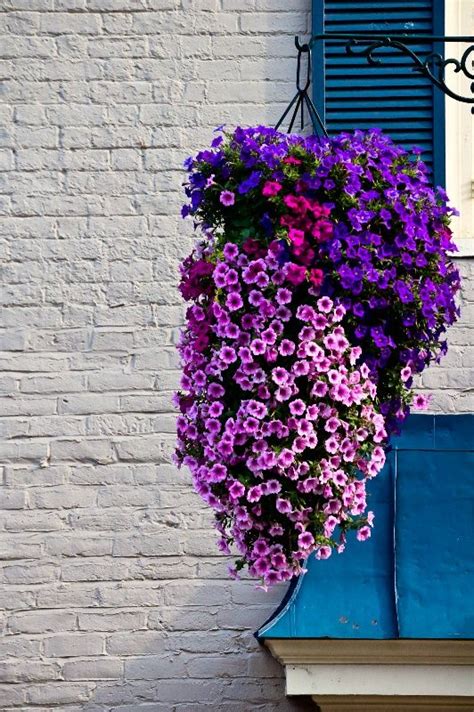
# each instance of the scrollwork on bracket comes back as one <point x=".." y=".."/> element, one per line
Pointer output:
<point x="432" y="66"/>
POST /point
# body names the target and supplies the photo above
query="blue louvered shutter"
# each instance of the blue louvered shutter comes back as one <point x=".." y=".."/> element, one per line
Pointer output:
<point x="351" y="94"/>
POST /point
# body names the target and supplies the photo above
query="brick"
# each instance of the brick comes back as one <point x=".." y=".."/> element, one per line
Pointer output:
<point x="36" y="477"/>
<point x="56" y="383"/>
<point x="71" y="545"/>
<point x="32" y="521"/>
<point x="163" y="568"/>
<point x="56" y="426"/>
<point x="126" y="497"/>
<point x="153" y="667"/>
<point x="99" y="451"/>
<point x="69" y="645"/>
<point x="8" y="385"/>
<point x="208" y="666"/>
<point x="242" y="6"/>
<point x="95" y="570"/>
<point x="126" y="159"/>
<point x="104" y="521"/>
<point x="62" y="497"/>
<point x="42" y="622"/>
<point x="21" y="451"/>
<point x="102" y="475"/>
<point x="27" y="47"/>
<point x="189" y="619"/>
<point x="11" y="695"/>
<point x="278" y="6"/>
<point x="22" y="295"/>
<point x="70" y="5"/>
<point x="12" y="340"/>
<point x="19" y="406"/>
<point x="143" y="449"/>
<point x="179" y="691"/>
<point x="43" y="137"/>
<point x="166" y="541"/>
<point x="112" y="340"/>
<point x="6" y="159"/>
<point x="93" y="669"/>
<point x="12" y="499"/>
<point x="115" y="5"/>
<point x="18" y="647"/>
<point x="28" y="362"/>
<point x="29" y="573"/>
<point x="59" y="693"/>
<point x="30" y="671"/>
<point x="127" y="644"/>
<point x="88" y="403"/>
<point x="146" y="707"/>
<point x="106" y="621"/>
<point x="242" y="617"/>
<point x="62" y="22"/>
<point x="146" y="403"/>
<point x="288" y="23"/>
<point x="30" y="115"/>
<point x="147" y="594"/>
<point x="11" y="548"/>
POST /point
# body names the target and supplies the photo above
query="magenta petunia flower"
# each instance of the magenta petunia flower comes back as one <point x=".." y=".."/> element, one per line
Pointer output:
<point x="325" y="304"/>
<point x="273" y="487"/>
<point x="254" y="494"/>
<point x="324" y="552"/>
<point x="261" y="566"/>
<point x="305" y="540"/>
<point x="261" y="547"/>
<point x="236" y="490"/>
<point x="283" y="506"/>
<point x="227" y="197"/>
<point x="231" y="251"/>
<point x="364" y="533"/>
<point x="283" y="295"/>
<point x="297" y="407"/>
<point x="271" y="188"/>
<point x="234" y="301"/>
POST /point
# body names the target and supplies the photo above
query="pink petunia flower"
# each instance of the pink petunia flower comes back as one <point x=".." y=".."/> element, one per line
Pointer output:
<point x="227" y="198"/>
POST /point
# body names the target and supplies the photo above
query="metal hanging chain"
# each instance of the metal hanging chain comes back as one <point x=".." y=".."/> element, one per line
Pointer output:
<point x="302" y="99"/>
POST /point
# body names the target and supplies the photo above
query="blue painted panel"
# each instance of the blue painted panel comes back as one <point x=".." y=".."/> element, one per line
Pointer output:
<point x="414" y="578"/>
<point x="351" y="94"/>
<point x="435" y="543"/>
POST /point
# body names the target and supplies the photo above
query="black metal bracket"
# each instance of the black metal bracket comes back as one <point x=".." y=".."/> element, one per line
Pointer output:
<point x="367" y="44"/>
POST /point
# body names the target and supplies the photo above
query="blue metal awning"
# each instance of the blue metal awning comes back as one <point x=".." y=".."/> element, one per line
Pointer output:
<point x="415" y="577"/>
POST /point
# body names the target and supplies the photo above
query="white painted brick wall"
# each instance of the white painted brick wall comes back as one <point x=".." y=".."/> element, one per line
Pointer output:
<point x="112" y="594"/>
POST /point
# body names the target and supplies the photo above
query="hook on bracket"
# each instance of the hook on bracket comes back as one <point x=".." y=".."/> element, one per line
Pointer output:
<point x="302" y="99"/>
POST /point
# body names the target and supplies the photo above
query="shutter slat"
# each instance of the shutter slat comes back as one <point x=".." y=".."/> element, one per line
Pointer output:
<point x="390" y="95"/>
<point x="348" y="5"/>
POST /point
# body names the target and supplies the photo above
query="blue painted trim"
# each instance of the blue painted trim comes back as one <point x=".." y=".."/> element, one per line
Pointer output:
<point x="285" y="608"/>
<point x="439" y="103"/>
<point x="318" y="61"/>
<point x="414" y="578"/>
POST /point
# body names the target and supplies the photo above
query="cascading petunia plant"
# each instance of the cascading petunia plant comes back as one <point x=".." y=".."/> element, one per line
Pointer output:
<point x="321" y="285"/>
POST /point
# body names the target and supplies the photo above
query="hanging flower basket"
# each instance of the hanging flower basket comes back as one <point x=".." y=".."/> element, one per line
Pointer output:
<point x="320" y="287"/>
